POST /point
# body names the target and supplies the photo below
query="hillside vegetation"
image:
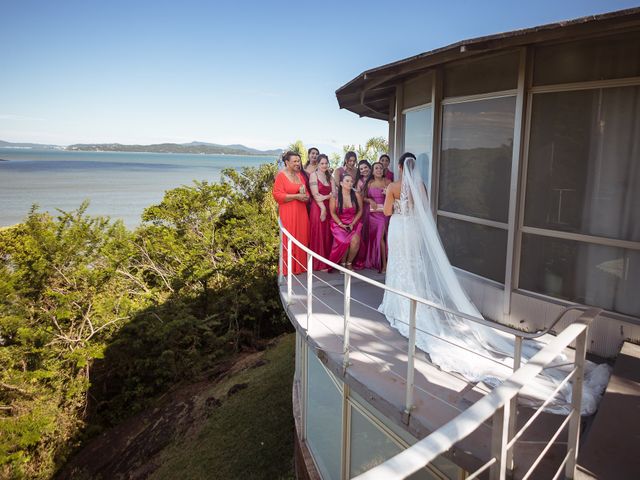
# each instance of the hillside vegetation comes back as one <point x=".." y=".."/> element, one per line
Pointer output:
<point x="97" y="321"/>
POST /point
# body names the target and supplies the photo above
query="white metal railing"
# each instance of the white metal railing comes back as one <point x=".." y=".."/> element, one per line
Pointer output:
<point x="499" y="403"/>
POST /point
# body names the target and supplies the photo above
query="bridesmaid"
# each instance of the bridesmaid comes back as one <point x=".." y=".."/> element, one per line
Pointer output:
<point x="321" y="186"/>
<point x="312" y="161"/>
<point x="290" y="193"/>
<point x="364" y="171"/>
<point x="386" y="161"/>
<point x="348" y="166"/>
<point x="346" y="210"/>
<point x="374" y="195"/>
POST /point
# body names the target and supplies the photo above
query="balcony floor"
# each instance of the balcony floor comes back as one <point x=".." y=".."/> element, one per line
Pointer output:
<point x="378" y="364"/>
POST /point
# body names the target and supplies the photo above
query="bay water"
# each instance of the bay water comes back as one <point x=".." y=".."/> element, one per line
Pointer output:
<point x="117" y="184"/>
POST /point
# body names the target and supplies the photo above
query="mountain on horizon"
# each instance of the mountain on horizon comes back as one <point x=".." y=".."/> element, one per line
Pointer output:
<point x="191" y="148"/>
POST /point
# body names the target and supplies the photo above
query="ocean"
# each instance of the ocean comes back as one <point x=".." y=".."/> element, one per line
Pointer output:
<point x="117" y="184"/>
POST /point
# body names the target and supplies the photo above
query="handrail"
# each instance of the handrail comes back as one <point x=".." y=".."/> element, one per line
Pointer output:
<point x="424" y="301"/>
<point x="441" y="440"/>
<point x="501" y="402"/>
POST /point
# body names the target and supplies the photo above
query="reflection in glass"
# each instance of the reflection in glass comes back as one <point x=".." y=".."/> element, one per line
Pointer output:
<point x="583" y="168"/>
<point x="324" y="418"/>
<point x="591" y="59"/>
<point x="598" y="275"/>
<point x="369" y="445"/>
<point x="475" y="248"/>
<point x="418" y="139"/>
<point x="490" y="74"/>
<point x="475" y="168"/>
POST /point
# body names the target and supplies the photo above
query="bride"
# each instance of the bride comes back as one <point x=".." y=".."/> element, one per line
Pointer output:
<point x="417" y="264"/>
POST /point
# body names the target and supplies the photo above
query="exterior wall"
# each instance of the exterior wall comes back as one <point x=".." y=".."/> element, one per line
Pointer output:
<point x="517" y="85"/>
<point x="365" y="437"/>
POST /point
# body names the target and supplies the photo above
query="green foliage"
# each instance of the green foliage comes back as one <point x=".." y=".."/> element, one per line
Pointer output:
<point x="300" y="149"/>
<point x="371" y="150"/>
<point x="95" y="320"/>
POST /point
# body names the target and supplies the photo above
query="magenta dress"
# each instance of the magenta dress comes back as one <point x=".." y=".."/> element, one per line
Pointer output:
<point x="377" y="224"/>
<point x="321" y="238"/>
<point x="361" y="258"/>
<point x="389" y="175"/>
<point x="342" y="238"/>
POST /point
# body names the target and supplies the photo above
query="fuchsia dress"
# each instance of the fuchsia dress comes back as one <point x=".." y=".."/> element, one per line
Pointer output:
<point x="342" y="238"/>
<point x="321" y="237"/>
<point x="377" y="224"/>
<point x="389" y="175"/>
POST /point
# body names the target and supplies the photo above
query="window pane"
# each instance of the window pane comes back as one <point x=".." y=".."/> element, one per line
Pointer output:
<point x="418" y="139"/>
<point x="475" y="248"/>
<point x="475" y="168"/>
<point x="369" y="445"/>
<point x="583" y="171"/>
<point x="598" y="275"/>
<point x="417" y="91"/>
<point x="324" y="419"/>
<point x="493" y="74"/>
<point x="592" y="59"/>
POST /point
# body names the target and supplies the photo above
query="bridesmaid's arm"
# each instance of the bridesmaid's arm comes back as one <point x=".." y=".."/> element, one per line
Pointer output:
<point x="388" y="201"/>
<point x="356" y="219"/>
<point x="334" y="214"/>
<point x="313" y="185"/>
<point x="280" y="194"/>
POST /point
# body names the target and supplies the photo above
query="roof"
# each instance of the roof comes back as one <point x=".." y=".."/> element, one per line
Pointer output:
<point x="368" y="94"/>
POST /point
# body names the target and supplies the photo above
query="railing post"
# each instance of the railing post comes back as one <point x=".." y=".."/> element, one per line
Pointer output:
<point x="499" y="442"/>
<point x="513" y="417"/>
<point x="410" y="360"/>
<point x="309" y="288"/>
<point x="289" y="278"/>
<point x="347" y="315"/>
<point x="280" y="274"/>
<point x="576" y="405"/>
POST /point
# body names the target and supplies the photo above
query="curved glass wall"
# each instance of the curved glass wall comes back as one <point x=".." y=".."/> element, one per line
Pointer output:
<point x="323" y="418"/>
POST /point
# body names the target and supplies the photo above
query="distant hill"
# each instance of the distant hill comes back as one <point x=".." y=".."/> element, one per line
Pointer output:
<point x="193" y="147"/>
<point x="4" y="144"/>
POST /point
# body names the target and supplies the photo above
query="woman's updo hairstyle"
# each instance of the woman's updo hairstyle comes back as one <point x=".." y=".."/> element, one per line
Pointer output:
<point x="411" y="160"/>
<point x="286" y="156"/>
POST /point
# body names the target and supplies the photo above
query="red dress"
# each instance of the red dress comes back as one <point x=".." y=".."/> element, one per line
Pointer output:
<point x="294" y="218"/>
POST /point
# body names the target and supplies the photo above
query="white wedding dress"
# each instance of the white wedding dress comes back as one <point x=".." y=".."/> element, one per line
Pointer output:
<point x="418" y="264"/>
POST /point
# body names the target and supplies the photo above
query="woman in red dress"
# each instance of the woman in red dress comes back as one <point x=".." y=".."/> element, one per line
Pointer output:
<point x="321" y="238"/>
<point x="290" y="193"/>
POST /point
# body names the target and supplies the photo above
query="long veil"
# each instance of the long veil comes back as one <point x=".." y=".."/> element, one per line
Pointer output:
<point x="455" y="344"/>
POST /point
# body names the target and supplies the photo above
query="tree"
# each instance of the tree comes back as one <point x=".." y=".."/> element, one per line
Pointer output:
<point x="300" y="149"/>
<point x="371" y="150"/>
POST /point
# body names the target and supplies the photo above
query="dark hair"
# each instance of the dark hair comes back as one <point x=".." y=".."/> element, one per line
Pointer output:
<point x="404" y="157"/>
<point x="286" y="156"/>
<point x="384" y="155"/>
<point x="352" y="194"/>
<point x="361" y="162"/>
<point x="348" y="155"/>
<point x="327" y="173"/>
<point x="370" y="178"/>
<point x="309" y="153"/>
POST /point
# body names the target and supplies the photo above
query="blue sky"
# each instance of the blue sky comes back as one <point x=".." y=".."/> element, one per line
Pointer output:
<point x="258" y="73"/>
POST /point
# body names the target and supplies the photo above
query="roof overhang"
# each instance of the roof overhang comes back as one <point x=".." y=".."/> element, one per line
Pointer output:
<point x="369" y="93"/>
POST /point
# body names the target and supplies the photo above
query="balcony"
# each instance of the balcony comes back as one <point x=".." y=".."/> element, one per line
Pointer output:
<point x="481" y="430"/>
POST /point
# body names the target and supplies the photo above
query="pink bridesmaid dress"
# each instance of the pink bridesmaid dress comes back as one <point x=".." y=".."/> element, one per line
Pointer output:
<point x="377" y="224"/>
<point x="342" y="238"/>
<point x="321" y="238"/>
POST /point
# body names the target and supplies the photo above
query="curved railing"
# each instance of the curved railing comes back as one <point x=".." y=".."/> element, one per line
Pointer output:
<point x="499" y="403"/>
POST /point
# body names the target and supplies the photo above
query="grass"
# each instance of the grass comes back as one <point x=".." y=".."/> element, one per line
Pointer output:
<point x="250" y="434"/>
